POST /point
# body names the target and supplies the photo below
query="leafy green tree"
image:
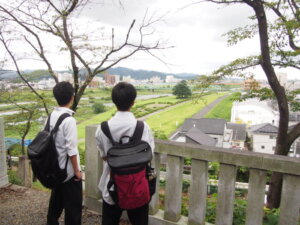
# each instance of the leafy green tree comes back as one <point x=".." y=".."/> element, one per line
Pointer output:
<point x="182" y="90"/>
<point x="279" y="48"/>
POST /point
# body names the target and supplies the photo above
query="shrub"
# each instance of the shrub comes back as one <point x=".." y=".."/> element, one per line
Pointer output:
<point x="98" y="108"/>
<point x="159" y="134"/>
<point x="13" y="178"/>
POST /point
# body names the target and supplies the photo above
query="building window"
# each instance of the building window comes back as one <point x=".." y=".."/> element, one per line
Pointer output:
<point x="272" y="136"/>
<point x="262" y="147"/>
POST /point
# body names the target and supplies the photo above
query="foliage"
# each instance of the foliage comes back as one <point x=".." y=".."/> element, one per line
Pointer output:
<point x="185" y="186"/>
<point x="81" y="149"/>
<point x="188" y="161"/>
<point x="13" y="177"/>
<point x="15" y="150"/>
<point x="214" y="168"/>
<point x="98" y="108"/>
<point x="182" y="90"/>
<point x="267" y="94"/>
<point x="159" y="134"/>
<point x="271" y="216"/>
<point x="242" y="174"/>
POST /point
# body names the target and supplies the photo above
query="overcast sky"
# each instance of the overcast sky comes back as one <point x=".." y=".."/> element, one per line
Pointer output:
<point x="195" y="31"/>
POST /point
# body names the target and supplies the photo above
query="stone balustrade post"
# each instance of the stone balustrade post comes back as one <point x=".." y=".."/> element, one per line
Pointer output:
<point x="3" y="165"/>
<point x="93" y="170"/>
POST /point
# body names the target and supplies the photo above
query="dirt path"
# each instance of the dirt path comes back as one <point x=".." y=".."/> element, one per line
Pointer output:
<point x="27" y="206"/>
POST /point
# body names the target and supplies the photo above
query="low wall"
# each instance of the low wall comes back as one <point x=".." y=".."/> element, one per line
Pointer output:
<point x="229" y="160"/>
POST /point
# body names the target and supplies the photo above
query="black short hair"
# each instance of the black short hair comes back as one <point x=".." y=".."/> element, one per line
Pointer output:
<point x="63" y="92"/>
<point x="123" y="96"/>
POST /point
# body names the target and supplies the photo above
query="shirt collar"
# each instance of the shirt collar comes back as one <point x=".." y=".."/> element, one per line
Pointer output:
<point x="64" y="109"/>
<point x="124" y="114"/>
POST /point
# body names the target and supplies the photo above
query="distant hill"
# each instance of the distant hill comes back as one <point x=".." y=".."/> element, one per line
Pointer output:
<point x="122" y="71"/>
<point x="146" y="74"/>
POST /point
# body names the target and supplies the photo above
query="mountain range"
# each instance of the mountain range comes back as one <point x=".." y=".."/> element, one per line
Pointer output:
<point x="122" y="71"/>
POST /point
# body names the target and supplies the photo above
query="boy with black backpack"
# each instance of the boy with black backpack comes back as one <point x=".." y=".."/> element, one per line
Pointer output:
<point x="119" y="132"/>
<point x="68" y="194"/>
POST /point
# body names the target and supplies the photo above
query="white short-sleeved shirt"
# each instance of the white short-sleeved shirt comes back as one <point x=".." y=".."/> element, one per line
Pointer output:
<point x="65" y="139"/>
<point x="122" y="124"/>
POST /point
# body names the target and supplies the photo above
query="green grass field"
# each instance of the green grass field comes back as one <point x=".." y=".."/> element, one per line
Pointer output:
<point x="97" y="119"/>
<point x="223" y="109"/>
<point x="168" y="121"/>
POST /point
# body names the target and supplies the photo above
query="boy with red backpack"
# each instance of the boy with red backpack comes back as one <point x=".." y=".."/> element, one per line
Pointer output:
<point x="121" y="130"/>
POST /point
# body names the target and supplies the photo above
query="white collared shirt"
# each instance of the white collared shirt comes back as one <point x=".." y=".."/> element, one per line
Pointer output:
<point x="122" y="124"/>
<point x="65" y="139"/>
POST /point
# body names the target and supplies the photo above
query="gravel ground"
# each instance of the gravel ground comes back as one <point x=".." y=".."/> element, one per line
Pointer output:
<point x="27" y="206"/>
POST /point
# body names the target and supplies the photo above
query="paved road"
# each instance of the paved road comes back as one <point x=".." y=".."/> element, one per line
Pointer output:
<point x="207" y="108"/>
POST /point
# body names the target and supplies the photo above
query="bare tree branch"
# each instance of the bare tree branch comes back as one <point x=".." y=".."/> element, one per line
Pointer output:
<point x="20" y="74"/>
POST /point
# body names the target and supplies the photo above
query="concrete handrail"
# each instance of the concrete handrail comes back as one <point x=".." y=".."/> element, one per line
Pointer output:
<point x="229" y="159"/>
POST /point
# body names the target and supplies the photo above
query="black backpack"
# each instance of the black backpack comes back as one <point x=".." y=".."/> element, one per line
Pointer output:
<point x="44" y="157"/>
<point x="129" y="185"/>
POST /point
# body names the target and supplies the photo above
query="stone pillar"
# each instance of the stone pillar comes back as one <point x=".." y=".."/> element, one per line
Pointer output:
<point x="3" y="166"/>
<point x="93" y="171"/>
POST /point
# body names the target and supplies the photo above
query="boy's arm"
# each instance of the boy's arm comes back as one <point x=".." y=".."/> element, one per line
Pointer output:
<point x="148" y="136"/>
<point x="100" y="143"/>
<point x="70" y="133"/>
<point x="77" y="171"/>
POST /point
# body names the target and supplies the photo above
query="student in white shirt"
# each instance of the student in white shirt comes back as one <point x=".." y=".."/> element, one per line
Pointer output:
<point x="67" y="195"/>
<point x="123" y="123"/>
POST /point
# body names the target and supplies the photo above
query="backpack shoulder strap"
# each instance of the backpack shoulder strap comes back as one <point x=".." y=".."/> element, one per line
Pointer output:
<point x="105" y="129"/>
<point x="47" y="127"/>
<point x="138" y="132"/>
<point x="60" y="120"/>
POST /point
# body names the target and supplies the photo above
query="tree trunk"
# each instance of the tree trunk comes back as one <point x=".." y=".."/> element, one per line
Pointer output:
<point x="282" y="146"/>
<point x="274" y="194"/>
<point x="24" y="171"/>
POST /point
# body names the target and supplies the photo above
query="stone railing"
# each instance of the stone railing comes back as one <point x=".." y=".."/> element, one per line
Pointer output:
<point x="229" y="160"/>
<point x="3" y="166"/>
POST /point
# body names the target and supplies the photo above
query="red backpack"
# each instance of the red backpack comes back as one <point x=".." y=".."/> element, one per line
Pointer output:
<point x="128" y="185"/>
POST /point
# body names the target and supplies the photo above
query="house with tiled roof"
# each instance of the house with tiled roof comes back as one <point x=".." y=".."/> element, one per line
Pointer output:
<point x="211" y="132"/>
<point x="235" y="135"/>
<point x="263" y="137"/>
